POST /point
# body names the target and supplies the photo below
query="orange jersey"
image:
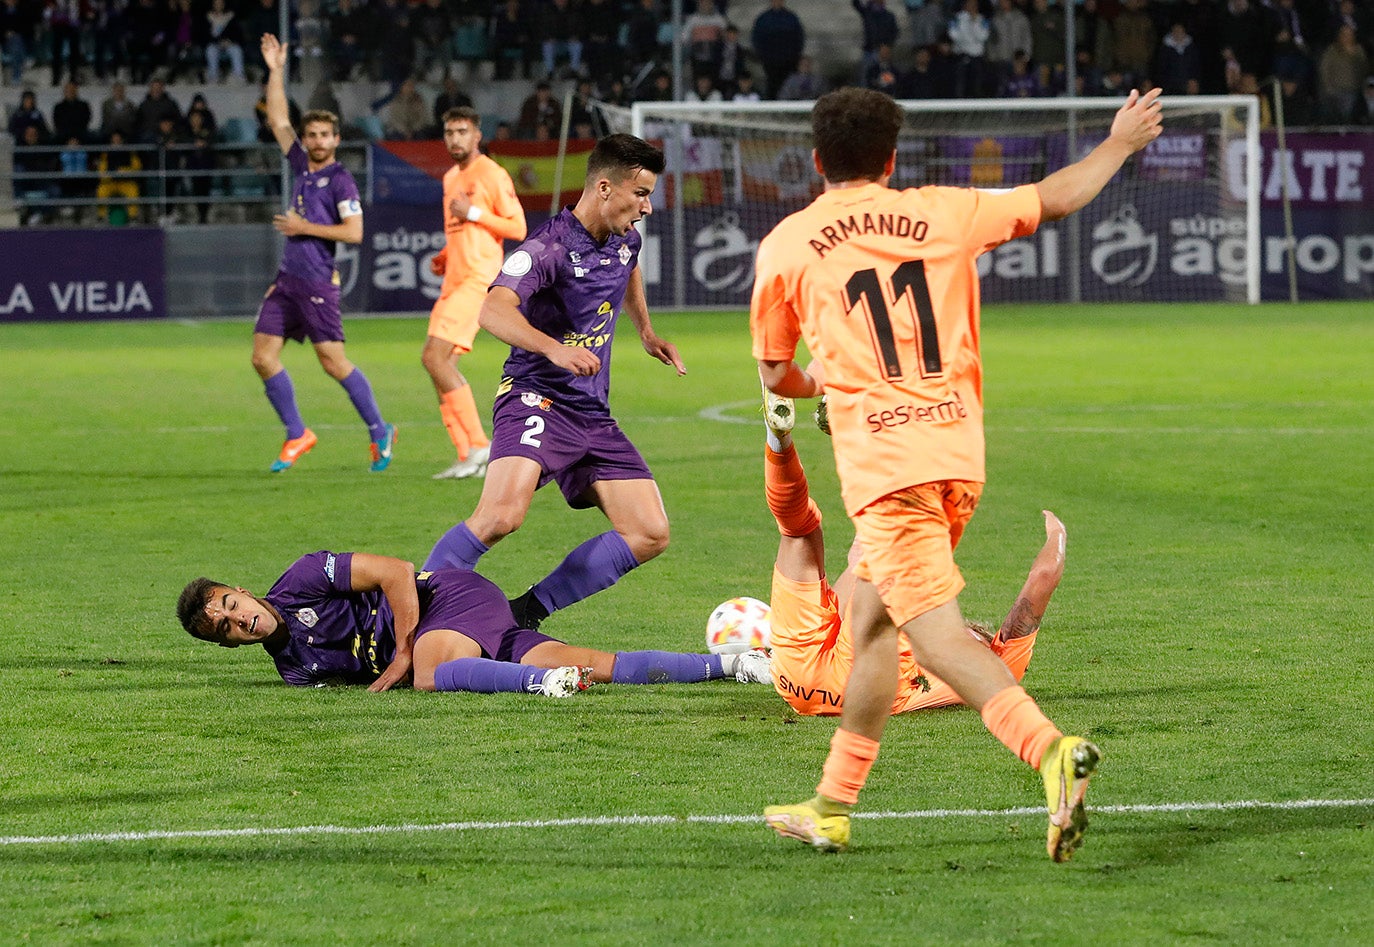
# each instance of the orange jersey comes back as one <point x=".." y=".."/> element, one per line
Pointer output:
<point x="474" y="249"/>
<point x="883" y="286"/>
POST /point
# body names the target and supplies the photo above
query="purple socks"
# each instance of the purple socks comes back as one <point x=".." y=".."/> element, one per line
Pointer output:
<point x="484" y="676"/>
<point x="282" y="394"/>
<point x="595" y="565"/>
<point x="360" y="393"/>
<point x="456" y="549"/>
<point x="665" y="667"/>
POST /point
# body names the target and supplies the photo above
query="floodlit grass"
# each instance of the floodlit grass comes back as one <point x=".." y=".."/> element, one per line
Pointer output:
<point x="1212" y="464"/>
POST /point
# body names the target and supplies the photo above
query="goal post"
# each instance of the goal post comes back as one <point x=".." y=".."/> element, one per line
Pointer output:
<point x="1179" y="223"/>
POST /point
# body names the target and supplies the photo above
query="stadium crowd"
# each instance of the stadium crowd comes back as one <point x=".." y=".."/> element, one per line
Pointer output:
<point x="1313" y="54"/>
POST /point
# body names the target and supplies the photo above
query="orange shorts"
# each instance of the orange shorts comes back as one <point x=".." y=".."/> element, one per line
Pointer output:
<point x="908" y="540"/>
<point x="454" y="316"/>
<point x="810" y="665"/>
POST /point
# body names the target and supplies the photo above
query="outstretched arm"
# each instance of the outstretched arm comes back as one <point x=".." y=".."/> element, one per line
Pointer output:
<point x="1071" y="189"/>
<point x="1045" y="573"/>
<point x="394" y="578"/>
<point x="278" y="113"/>
<point x="636" y="306"/>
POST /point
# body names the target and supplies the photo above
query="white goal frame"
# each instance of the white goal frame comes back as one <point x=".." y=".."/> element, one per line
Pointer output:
<point x="1227" y="107"/>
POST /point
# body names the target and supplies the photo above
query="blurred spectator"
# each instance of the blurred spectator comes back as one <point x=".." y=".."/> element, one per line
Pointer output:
<point x="1087" y="76"/>
<point x="452" y="96"/>
<point x="147" y="39"/>
<point x="27" y="114"/>
<point x="323" y="99"/>
<point x="109" y="30"/>
<point x="614" y="92"/>
<point x="1292" y="22"/>
<point x="511" y="40"/>
<point x="33" y="157"/>
<point x="1351" y="15"/>
<point x="1202" y="19"/>
<point x="310" y="32"/>
<point x="168" y="183"/>
<point x="779" y="38"/>
<point x="641" y="33"/>
<point x="1010" y="32"/>
<point x="733" y="62"/>
<point x="396" y="45"/>
<point x="116" y="165"/>
<point x="259" y="17"/>
<point x="199" y="164"/>
<point x="156" y="106"/>
<point x="1245" y="30"/>
<point x="659" y="88"/>
<point x="1341" y="72"/>
<point x="1047" y="38"/>
<point x="744" y="89"/>
<point x="407" y="116"/>
<point x="702" y="33"/>
<point x="1290" y="59"/>
<point x="201" y="108"/>
<point x="1133" y="41"/>
<point x="1093" y="32"/>
<point x="1249" y="85"/>
<point x="928" y="23"/>
<point x="1022" y="83"/>
<point x="224" y="40"/>
<point x="186" y="40"/>
<point x="1299" y="107"/>
<point x="703" y="90"/>
<point x="503" y="132"/>
<point x="969" y="31"/>
<point x="580" y="112"/>
<point x="539" y="108"/>
<point x="879" y="28"/>
<point x="942" y="68"/>
<point x="881" y="74"/>
<point x="1364" y="107"/>
<point x="71" y="116"/>
<point x="17" y="22"/>
<point x="63" y="19"/>
<point x="348" y="27"/>
<point x="600" y="54"/>
<point x="559" y="32"/>
<point x="74" y="163"/>
<point x="433" y="29"/>
<point x="118" y="114"/>
<point x="1178" y="66"/>
<point x="802" y="85"/>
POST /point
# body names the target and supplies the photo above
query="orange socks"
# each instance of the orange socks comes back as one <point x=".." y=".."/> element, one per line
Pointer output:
<point x="789" y="500"/>
<point x="462" y="421"/>
<point x="846" y="768"/>
<point x="1012" y="717"/>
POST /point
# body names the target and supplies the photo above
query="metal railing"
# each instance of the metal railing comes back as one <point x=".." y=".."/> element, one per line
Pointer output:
<point x="57" y="185"/>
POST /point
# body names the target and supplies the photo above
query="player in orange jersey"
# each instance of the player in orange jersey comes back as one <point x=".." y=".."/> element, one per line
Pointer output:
<point x="882" y="285"/>
<point x="812" y="647"/>
<point x="480" y="211"/>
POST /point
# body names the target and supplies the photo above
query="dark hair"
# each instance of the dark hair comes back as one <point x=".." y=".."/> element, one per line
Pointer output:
<point x="855" y="132"/>
<point x="320" y="115"/>
<point x="620" y="156"/>
<point x="191" y="608"/>
<point x="463" y="113"/>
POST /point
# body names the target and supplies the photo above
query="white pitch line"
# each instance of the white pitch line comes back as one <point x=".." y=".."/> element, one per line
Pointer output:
<point x="633" y="820"/>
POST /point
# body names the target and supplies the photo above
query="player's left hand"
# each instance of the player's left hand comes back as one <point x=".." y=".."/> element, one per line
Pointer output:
<point x="397" y="672"/>
<point x="665" y="352"/>
<point x="290" y="224"/>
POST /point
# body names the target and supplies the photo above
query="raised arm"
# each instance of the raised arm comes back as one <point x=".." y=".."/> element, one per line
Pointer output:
<point x="394" y="578"/>
<point x="636" y="306"/>
<point x="278" y="113"/>
<point x="1071" y="189"/>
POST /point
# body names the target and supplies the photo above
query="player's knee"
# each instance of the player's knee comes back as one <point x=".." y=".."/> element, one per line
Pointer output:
<point x="490" y="526"/>
<point x="650" y="542"/>
<point x="266" y="366"/>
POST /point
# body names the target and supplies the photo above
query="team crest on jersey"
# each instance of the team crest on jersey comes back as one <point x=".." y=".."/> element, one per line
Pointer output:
<point x="531" y="400"/>
<point x="322" y="182"/>
<point x="624" y="255"/>
<point x="518" y="263"/>
<point x="307" y="617"/>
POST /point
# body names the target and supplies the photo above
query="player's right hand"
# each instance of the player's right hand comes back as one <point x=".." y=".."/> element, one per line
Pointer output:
<point x="1138" y="122"/>
<point x="273" y="52"/>
<point x="578" y="361"/>
<point x="438" y="264"/>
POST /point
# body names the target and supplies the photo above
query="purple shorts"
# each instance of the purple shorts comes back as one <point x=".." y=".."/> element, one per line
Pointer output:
<point x="571" y="448"/>
<point x="293" y="309"/>
<point x="465" y="602"/>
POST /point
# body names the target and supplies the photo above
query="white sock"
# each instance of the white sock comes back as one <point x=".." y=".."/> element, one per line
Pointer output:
<point x="778" y="443"/>
<point x="729" y="663"/>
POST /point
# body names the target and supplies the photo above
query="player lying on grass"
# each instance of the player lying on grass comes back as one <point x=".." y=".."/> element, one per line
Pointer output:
<point x="813" y="650"/>
<point x="355" y="618"/>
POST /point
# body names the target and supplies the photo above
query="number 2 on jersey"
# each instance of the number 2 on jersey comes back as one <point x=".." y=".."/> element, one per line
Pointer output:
<point x="534" y="427"/>
<point x="907" y="279"/>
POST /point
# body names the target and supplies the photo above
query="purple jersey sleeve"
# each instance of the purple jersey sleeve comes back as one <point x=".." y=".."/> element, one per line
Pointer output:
<point x="571" y="288"/>
<point x="325" y="197"/>
<point x="337" y="635"/>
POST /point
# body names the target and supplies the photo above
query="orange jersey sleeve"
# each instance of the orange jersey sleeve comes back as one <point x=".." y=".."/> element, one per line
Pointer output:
<point x="475" y="248"/>
<point x="882" y="285"/>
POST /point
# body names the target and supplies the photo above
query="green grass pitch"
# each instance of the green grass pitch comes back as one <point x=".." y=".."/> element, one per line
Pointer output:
<point x="1213" y="466"/>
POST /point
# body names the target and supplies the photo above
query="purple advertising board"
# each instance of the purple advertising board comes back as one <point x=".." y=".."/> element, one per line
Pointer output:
<point x="70" y="275"/>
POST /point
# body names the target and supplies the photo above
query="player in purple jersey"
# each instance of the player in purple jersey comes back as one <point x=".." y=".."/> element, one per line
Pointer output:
<point x="556" y="302"/>
<point x="356" y="618"/>
<point x="303" y="300"/>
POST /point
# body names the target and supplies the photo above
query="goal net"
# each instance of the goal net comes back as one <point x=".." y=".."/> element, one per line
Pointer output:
<point x="1180" y="222"/>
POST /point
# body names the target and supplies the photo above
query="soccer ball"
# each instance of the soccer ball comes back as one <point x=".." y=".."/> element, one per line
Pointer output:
<point x="739" y="625"/>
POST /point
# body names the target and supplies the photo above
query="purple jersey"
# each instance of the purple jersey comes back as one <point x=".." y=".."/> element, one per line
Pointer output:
<point x="570" y="288"/>
<point x="325" y="196"/>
